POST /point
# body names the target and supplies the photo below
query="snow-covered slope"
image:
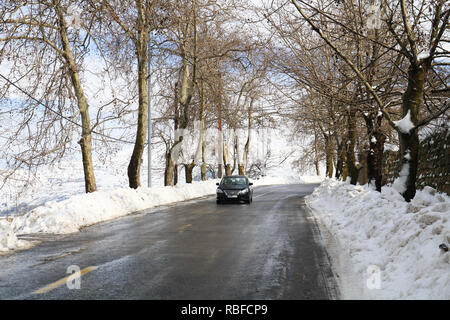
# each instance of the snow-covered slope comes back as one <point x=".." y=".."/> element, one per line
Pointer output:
<point x="374" y="235"/>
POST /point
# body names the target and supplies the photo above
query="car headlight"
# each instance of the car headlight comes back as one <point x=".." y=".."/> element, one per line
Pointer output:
<point x="243" y="191"/>
<point x="219" y="190"/>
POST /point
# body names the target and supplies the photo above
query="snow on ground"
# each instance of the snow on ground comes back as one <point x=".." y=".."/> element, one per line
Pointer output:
<point x="375" y="236"/>
<point x="8" y="239"/>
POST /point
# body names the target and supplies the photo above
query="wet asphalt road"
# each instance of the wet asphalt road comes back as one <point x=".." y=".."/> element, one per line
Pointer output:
<point x="270" y="249"/>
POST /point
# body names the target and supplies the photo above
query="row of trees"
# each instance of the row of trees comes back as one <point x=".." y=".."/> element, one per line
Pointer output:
<point x="353" y="75"/>
<point x="371" y="72"/>
<point x="205" y="68"/>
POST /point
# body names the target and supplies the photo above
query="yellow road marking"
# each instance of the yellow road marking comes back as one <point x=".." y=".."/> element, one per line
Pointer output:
<point x="59" y="283"/>
<point x="184" y="227"/>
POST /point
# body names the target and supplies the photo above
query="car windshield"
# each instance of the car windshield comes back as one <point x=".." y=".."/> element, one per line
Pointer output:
<point x="234" y="181"/>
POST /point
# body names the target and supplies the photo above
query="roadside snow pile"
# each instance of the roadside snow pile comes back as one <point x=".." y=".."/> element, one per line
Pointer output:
<point x="8" y="239"/>
<point x="69" y="215"/>
<point x="369" y="231"/>
<point x="311" y="179"/>
<point x="265" y="181"/>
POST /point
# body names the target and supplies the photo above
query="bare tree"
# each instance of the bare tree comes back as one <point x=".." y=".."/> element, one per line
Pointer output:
<point x="133" y="23"/>
<point x="41" y="32"/>
<point x="407" y="36"/>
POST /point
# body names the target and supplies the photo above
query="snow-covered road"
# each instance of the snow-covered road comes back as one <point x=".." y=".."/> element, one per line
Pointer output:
<point x="192" y="250"/>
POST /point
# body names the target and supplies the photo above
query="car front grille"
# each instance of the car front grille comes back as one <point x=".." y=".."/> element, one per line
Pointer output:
<point x="232" y="192"/>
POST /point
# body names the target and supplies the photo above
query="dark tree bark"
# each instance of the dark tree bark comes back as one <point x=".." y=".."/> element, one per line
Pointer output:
<point x="340" y="158"/>
<point x="175" y="175"/>
<point x="328" y="155"/>
<point x="390" y="160"/>
<point x="376" y="149"/>
<point x="228" y="169"/>
<point x="203" y="171"/>
<point x="134" y="167"/>
<point x="188" y="168"/>
<point x="83" y="106"/>
<point x="169" y="171"/>
<point x="353" y="170"/>
<point x="409" y="141"/>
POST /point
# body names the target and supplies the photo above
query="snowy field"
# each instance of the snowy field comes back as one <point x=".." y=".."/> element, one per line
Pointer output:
<point x="381" y="246"/>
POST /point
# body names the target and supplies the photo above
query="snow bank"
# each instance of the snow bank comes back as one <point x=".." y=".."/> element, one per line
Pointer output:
<point x="311" y="179"/>
<point x="8" y="239"/>
<point x="380" y="231"/>
<point x="70" y="215"/>
<point x="276" y="180"/>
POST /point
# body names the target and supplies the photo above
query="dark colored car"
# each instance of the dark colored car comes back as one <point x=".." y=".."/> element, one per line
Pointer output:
<point x="234" y="188"/>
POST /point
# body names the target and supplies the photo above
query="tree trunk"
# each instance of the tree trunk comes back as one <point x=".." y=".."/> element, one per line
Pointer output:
<point x="134" y="167"/>
<point x="226" y="158"/>
<point x="390" y="159"/>
<point x="86" y="151"/>
<point x="85" y="141"/>
<point x="379" y="153"/>
<point x="247" y="143"/>
<point x="316" y="164"/>
<point x="340" y="159"/>
<point x="316" y="153"/>
<point x="169" y="171"/>
<point x="220" y="171"/>
<point x="328" y="156"/>
<point x="235" y="154"/>
<point x="188" y="168"/>
<point x="220" y="144"/>
<point x="409" y="151"/>
<point x="353" y="170"/>
<point x="344" y="170"/>
<point x="175" y="174"/>
<point x="203" y="171"/>
<point x="228" y="169"/>
<point x="409" y="141"/>
<point x="183" y="97"/>
<point x="203" y="133"/>
<point x="203" y="167"/>
<point x="376" y="149"/>
<point x="212" y="171"/>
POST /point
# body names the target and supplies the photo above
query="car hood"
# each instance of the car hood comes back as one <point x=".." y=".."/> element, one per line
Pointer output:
<point x="225" y="187"/>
